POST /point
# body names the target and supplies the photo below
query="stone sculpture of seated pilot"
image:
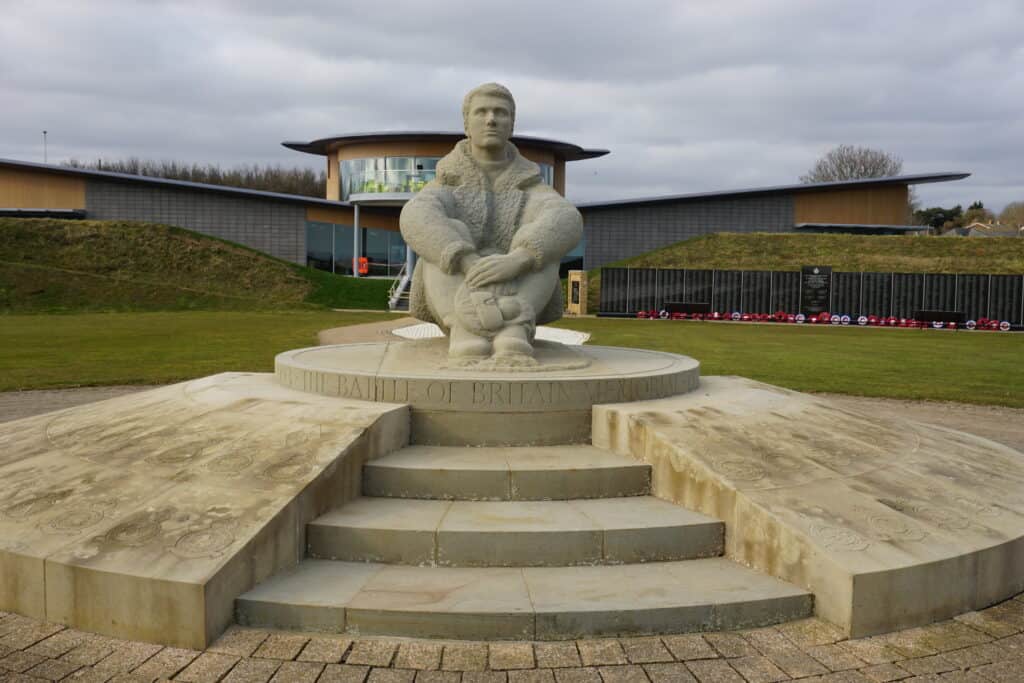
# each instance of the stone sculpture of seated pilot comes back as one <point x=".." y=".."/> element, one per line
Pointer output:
<point x="490" y="235"/>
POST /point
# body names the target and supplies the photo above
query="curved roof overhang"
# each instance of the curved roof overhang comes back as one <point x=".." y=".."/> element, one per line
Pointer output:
<point x="916" y="179"/>
<point x="563" y="150"/>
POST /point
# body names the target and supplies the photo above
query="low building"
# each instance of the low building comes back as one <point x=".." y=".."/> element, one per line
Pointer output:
<point x="371" y="175"/>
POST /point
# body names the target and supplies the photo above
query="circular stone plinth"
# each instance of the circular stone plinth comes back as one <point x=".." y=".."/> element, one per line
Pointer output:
<point x="547" y="403"/>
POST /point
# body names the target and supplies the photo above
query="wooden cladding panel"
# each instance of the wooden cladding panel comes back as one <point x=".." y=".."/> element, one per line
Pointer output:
<point x="346" y="216"/>
<point x="886" y="205"/>
<point x="25" y="189"/>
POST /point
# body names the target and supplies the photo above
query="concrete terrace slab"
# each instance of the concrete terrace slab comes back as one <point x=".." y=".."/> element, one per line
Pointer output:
<point x="550" y="603"/>
<point x="502" y="473"/>
<point x="542" y="404"/>
<point x="513" y="533"/>
<point x="889" y="523"/>
<point x="145" y="516"/>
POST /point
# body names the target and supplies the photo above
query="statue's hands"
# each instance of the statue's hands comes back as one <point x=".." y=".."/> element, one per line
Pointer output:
<point x="496" y="268"/>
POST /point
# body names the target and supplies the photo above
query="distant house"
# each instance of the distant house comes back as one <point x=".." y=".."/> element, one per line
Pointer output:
<point x="978" y="229"/>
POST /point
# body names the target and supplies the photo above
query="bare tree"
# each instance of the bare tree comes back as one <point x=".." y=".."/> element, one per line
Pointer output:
<point x="847" y="162"/>
<point x="1013" y="214"/>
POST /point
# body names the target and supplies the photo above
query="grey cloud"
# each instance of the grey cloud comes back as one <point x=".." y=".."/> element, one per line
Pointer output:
<point x="689" y="96"/>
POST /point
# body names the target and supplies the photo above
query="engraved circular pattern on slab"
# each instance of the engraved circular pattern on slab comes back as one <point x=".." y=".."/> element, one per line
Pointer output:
<point x="74" y="521"/>
<point x="838" y="538"/>
<point x="887" y="528"/>
<point x="233" y="463"/>
<point x="36" y="505"/>
<point x="137" y="531"/>
<point x="210" y="542"/>
<point x="741" y="470"/>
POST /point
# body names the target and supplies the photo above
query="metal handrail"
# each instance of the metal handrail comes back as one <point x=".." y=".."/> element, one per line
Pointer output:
<point x="398" y="286"/>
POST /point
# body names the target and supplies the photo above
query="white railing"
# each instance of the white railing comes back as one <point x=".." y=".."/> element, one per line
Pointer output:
<point x="399" y="286"/>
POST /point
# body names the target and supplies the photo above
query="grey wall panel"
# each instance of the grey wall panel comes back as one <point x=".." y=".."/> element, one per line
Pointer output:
<point x="846" y="294"/>
<point x="627" y="290"/>
<point x="275" y="228"/>
<point x="615" y="233"/>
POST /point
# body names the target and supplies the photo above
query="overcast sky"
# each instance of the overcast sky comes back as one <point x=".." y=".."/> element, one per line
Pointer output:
<point x="689" y="95"/>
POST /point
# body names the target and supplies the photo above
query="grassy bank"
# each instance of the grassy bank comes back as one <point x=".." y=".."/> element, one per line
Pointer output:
<point x="70" y="266"/>
<point x="969" y="367"/>
<point x="47" y="351"/>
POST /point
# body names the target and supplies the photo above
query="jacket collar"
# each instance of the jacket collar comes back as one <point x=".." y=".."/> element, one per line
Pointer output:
<point x="459" y="168"/>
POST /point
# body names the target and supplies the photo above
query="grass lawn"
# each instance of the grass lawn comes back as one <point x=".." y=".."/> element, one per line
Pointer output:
<point x="970" y="367"/>
<point x="49" y="351"/>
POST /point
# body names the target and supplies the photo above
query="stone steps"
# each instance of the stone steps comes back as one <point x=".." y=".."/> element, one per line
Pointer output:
<point x="508" y="473"/>
<point x="513" y="533"/>
<point x="544" y="603"/>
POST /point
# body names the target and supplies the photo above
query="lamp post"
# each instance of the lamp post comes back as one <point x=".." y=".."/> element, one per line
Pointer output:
<point x="44" y="148"/>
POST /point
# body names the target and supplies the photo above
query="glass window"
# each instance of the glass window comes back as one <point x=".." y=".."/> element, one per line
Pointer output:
<point x="343" y="249"/>
<point x="318" y="245"/>
<point x="547" y="173"/>
<point x="375" y="248"/>
<point x="572" y="261"/>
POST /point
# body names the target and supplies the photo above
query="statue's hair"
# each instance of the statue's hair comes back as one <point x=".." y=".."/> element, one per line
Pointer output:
<point x="495" y="89"/>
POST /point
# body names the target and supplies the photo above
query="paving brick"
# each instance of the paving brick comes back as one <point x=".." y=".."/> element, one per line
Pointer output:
<point x="391" y="676"/>
<point x="835" y="657"/>
<point x="90" y="675"/>
<point x="127" y="656"/>
<point x="241" y="642"/>
<point x="645" y="650"/>
<point x="297" y="672"/>
<point x="343" y="673"/>
<point x="465" y="657"/>
<point x="873" y="650"/>
<point x="675" y="672"/>
<point x="625" y="673"/>
<point x="1002" y="672"/>
<point x="556" y="655"/>
<point x="504" y="656"/>
<point x="253" y="671"/>
<point x="59" y="643"/>
<point x="419" y="655"/>
<point x="284" y="646"/>
<point x="371" y="652"/>
<point x="987" y="624"/>
<point x="811" y="632"/>
<point x="53" y="670"/>
<point x="91" y="652"/>
<point x="689" y="646"/>
<point x="884" y="673"/>
<point x="952" y="635"/>
<point x="758" y="669"/>
<point x="32" y="633"/>
<point x="19" y="661"/>
<point x="325" y="650"/>
<point x="977" y="655"/>
<point x="433" y="676"/>
<point x="583" y="674"/>
<point x="730" y="645"/>
<point x="531" y="676"/>
<point x="166" y="663"/>
<point x="484" y="677"/>
<point x="601" y="652"/>
<point x="933" y="664"/>
<point x="207" y="668"/>
<point x="713" y="671"/>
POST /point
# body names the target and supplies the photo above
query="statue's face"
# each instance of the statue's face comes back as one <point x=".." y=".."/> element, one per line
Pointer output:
<point x="489" y="123"/>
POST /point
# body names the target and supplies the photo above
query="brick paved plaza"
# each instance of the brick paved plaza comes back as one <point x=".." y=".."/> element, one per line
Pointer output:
<point x="985" y="646"/>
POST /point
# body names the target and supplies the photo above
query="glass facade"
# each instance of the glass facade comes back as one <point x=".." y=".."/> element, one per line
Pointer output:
<point x="329" y="247"/>
<point x="399" y="175"/>
<point x="572" y="261"/>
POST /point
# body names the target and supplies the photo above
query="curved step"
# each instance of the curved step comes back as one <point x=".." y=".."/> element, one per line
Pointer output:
<point x="537" y="473"/>
<point x="513" y="533"/>
<point x="542" y="604"/>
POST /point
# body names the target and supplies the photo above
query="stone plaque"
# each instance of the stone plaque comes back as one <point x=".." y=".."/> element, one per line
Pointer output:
<point x="815" y="289"/>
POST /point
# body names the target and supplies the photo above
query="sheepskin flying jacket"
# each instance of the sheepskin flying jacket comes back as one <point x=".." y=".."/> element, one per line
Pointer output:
<point x="460" y="212"/>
